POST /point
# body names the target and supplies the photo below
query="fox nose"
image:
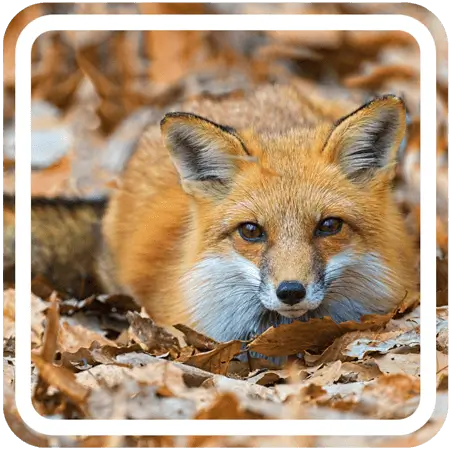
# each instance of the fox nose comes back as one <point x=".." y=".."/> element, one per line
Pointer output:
<point x="291" y="292"/>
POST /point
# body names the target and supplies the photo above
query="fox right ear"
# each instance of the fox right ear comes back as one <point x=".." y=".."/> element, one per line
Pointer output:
<point x="205" y="154"/>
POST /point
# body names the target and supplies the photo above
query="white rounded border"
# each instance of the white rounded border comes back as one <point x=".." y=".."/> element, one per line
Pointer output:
<point x="226" y="22"/>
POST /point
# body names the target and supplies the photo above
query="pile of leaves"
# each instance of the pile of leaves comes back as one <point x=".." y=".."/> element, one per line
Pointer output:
<point x="101" y="357"/>
<point x="104" y="358"/>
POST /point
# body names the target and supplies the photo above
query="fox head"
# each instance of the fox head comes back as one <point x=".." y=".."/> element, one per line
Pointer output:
<point x="291" y="226"/>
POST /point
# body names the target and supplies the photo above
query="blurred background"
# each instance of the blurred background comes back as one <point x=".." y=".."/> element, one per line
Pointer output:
<point x="94" y="92"/>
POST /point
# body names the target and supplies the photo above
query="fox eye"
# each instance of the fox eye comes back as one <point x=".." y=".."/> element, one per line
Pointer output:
<point x="329" y="226"/>
<point x="251" y="232"/>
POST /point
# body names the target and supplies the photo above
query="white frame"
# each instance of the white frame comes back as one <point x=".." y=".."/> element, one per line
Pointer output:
<point x="226" y="22"/>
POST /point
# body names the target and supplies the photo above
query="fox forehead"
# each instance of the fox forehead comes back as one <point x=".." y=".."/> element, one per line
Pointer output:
<point x="289" y="149"/>
<point x="299" y="191"/>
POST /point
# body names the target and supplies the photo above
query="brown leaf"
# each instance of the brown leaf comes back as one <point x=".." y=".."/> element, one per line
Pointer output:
<point x="268" y="377"/>
<point x="62" y="379"/>
<point x="241" y="368"/>
<point x="382" y="343"/>
<point x="314" y="334"/>
<point x="241" y="388"/>
<point x="85" y="358"/>
<point x="50" y="344"/>
<point x="164" y="375"/>
<point x="327" y="374"/>
<point x="391" y="396"/>
<point x="217" y="360"/>
<point x="151" y="337"/>
<point x="393" y="363"/>
<point x="38" y="307"/>
<point x="359" y="371"/>
<point x="197" y="340"/>
<point x="9" y="312"/>
<point x="441" y="371"/>
<point x="335" y="351"/>
<point x="442" y="278"/>
<point x="226" y="406"/>
<point x="73" y="337"/>
<point x="51" y="331"/>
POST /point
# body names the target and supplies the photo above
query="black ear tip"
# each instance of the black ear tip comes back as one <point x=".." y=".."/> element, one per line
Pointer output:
<point x="394" y="98"/>
<point x="170" y="115"/>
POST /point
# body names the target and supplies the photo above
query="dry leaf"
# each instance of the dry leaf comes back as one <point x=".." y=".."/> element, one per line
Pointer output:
<point x="314" y="334"/>
<point x="61" y="379"/>
<point x="240" y="388"/>
<point x="85" y="358"/>
<point x="226" y="406"/>
<point x="151" y="337"/>
<point x="268" y="377"/>
<point x="391" y="397"/>
<point x="327" y="374"/>
<point x="382" y="343"/>
<point x="197" y="340"/>
<point x="164" y="376"/>
<point x="217" y="360"/>
<point x="73" y="337"/>
<point x="393" y="363"/>
<point x="366" y="370"/>
<point x="38" y="307"/>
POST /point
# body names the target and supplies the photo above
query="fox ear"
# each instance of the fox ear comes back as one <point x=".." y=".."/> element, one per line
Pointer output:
<point x="368" y="139"/>
<point x="205" y="154"/>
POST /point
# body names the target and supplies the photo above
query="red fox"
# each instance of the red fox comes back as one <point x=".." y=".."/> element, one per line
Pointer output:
<point x="248" y="212"/>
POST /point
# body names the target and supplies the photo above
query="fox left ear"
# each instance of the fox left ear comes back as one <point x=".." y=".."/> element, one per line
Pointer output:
<point x="369" y="138"/>
<point x="206" y="155"/>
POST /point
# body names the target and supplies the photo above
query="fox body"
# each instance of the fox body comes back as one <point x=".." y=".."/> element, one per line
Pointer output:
<point x="247" y="212"/>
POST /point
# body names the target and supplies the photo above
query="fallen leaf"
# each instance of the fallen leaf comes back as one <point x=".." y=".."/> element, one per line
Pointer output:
<point x="85" y="358"/>
<point x="226" y="406"/>
<point x="392" y="396"/>
<point x="247" y="364"/>
<point x="73" y="337"/>
<point x="165" y="377"/>
<point x="137" y="401"/>
<point x="393" y="363"/>
<point x="268" y="377"/>
<point x="217" y="360"/>
<point x="327" y="374"/>
<point x="197" y="340"/>
<point x="51" y="331"/>
<point x="38" y="307"/>
<point x="151" y="337"/>
<point x="382" y="343"/>
<point x="314" y="334"/>
<point x="366" y="370"/>
<point x="240" y="388"/>
<point x="62" y="379"/>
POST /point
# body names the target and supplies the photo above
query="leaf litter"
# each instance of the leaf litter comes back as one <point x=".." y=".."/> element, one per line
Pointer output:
<point x="97" y="357"/>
